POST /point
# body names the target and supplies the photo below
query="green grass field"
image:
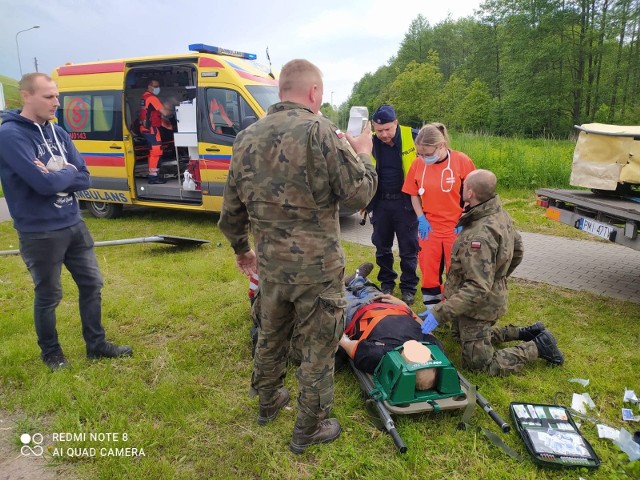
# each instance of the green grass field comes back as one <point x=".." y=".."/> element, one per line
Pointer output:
<point x="524" y="164"/>
<point x="11" y="92"/>
<point x="11" y="97"/>
<point x="183" y="396"/>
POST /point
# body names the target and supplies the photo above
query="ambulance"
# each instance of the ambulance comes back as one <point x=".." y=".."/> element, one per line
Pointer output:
<point x="213" y="92"/>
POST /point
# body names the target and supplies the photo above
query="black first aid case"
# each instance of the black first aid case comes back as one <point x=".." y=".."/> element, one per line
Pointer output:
<point x="552" y="437"/>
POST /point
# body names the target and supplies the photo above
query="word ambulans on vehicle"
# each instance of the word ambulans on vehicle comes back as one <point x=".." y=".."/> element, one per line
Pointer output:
<point x="210" y="93"/>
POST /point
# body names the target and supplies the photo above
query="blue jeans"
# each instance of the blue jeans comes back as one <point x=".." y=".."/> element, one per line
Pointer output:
<point x="44" y="253"/>
<point x="360" y="292"/>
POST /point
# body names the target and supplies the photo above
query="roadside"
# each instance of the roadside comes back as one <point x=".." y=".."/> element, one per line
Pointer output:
<point x="28" y="465"/>
<point x="602" y="268"/>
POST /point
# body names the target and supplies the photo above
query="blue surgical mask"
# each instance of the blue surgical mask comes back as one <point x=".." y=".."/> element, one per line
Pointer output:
<point x="156" y="91"/>
<point x="430" y="159"/>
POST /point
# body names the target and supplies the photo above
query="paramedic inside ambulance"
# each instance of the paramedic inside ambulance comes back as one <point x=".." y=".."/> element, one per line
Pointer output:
<point x="218" y="117"/>
<point x="153" y="124"/>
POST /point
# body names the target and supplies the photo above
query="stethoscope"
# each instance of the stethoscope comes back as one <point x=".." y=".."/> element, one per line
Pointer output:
<point x="446" y="183"/>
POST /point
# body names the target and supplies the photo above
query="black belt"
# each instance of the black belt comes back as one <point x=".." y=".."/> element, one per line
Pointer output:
<point x="391" y="196"/>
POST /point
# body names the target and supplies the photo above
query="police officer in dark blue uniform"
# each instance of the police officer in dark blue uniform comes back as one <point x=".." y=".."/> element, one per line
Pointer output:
<point x="391" y="211"/>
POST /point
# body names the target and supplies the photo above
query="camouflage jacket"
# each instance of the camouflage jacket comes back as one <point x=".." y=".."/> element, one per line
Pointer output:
<point x="288" y="172"/>
<point x="485" y="253"/>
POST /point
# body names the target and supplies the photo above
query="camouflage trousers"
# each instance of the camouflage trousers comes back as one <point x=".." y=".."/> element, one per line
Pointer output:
<point x="478" y="353"/>
<point x="311" y="317"/>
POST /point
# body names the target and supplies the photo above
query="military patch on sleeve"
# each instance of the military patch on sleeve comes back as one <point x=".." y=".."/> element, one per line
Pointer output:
<point x="476" y="244"/>
<point x="339" y="133"/>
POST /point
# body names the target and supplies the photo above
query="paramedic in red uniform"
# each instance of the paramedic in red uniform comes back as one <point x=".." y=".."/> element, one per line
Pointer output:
<point x="150" y="127"/>
<point x="434" y="182"/>
<point x="218" y="115"/>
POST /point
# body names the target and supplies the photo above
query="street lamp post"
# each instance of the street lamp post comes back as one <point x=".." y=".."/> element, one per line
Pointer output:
<point x="332" y="100"/>
<point x="18" y="46"/>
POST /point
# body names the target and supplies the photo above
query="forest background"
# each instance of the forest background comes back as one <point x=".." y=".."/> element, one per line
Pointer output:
<point x="531" y="68"/>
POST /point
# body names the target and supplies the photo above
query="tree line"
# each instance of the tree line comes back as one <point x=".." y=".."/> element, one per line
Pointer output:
<point x="516" y="67"/>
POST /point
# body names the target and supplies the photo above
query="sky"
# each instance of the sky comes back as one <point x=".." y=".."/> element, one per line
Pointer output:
<point x="345" y="39"/>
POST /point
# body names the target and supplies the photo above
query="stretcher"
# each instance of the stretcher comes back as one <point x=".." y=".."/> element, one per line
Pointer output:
<point x="391" y="390"/>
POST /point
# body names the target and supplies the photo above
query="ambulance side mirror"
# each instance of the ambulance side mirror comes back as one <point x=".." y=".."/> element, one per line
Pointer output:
<point x="246" y="121"/>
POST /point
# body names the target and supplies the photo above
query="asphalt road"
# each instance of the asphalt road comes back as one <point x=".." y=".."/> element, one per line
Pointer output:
<point x="601" y="268"/>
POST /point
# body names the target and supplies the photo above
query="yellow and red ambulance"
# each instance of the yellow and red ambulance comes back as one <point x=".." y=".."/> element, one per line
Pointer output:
<point x="214" y="93"/>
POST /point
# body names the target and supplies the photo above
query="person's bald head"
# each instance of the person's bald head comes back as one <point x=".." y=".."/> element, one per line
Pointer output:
<point x="479" y="186"/>
<point x="414" y="352"/>
<point x="301" y="81"/>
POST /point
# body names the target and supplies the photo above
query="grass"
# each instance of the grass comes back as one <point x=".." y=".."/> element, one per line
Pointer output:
<point x="11" y="98"/>
<point x="524" y="164"/>
<point x="183" y="396"/>
<point x="11" y="92"/>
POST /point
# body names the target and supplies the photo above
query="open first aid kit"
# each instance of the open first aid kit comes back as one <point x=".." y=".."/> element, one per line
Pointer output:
<point x="551" y="436"/>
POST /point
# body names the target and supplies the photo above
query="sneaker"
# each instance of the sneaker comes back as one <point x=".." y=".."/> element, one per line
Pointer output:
<point x="548" y="348"/>
<point x="387" y="290"/>
<point x="326" y="431"/>
<point x="408" y="298"/>
<point x="363" y="271"/>
<point x="110" y="350"/>
<point x="55" y="360"/>
<point x="270" y="412"/>
<point x="532" y="331"/>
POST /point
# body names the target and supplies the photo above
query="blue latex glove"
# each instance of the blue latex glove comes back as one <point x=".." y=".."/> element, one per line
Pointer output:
<point x="424" y="227"/>
<point x="457" y="230"/>
<point x="430" y="323"/>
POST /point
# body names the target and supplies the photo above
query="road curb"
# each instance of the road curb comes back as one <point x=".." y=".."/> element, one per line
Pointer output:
<point x="602" y="268"/>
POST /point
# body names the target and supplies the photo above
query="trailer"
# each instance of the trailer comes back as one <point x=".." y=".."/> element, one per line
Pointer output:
<point x="606" y="161"/>
<point x="610" y="217"/>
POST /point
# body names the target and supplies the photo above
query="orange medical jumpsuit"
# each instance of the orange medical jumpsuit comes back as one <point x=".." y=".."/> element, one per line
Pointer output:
<point x="216" y="109"/>
<point x="151" y="132"/>
<point x="442" y="206"/>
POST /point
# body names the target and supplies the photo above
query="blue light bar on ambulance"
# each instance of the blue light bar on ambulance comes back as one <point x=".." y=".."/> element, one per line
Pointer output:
<point x="202" y="48"/>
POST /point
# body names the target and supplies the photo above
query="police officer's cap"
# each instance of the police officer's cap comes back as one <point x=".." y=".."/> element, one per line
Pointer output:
<point x="384" y="114"/>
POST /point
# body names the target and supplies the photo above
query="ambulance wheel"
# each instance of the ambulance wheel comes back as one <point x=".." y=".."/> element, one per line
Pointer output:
<point x="104" y="210"/>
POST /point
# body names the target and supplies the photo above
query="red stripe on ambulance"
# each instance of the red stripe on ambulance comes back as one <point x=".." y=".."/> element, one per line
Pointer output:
<point x="93" y="68"/>
<point x="99" y="161"/>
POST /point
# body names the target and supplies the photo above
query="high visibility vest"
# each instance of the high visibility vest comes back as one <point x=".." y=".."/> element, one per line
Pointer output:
<point x="409" y="152"/>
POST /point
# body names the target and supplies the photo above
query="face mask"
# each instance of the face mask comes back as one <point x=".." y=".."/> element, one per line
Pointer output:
<point x="430" y="159"/>
<point x="156" y="91"/>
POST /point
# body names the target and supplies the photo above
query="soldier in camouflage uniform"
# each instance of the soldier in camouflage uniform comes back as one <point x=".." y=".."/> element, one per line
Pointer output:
<point x="485" y="253"/>
<point x="288" y="172"/>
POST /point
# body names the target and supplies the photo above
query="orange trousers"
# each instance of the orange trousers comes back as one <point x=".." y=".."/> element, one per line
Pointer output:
<point x="434" y="258"/>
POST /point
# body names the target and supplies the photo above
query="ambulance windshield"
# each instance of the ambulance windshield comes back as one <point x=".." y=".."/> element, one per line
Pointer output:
<point x="265" y="95"/>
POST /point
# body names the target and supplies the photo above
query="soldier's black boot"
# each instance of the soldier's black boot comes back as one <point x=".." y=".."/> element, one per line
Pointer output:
<point x="324" y="432"/>
<point x="269" y="412"/>
<point x="548" y="348"/>
<point x="363" y="270"/>
<point x="532" y="331"/>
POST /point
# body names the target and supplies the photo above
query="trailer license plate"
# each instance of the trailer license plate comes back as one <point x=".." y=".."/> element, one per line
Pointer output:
<point x="600" y="229"/>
